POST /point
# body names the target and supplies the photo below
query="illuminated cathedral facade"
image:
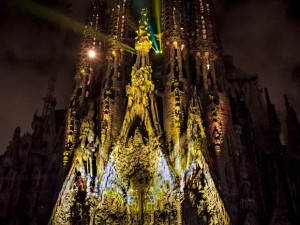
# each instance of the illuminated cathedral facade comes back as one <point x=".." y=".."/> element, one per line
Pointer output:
<point x="160" y="129"/>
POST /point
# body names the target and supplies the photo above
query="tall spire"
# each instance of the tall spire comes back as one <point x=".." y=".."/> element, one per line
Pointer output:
<point x="89" y="55"/>
<point x="49" y="100"/>
<point x="140" y="92"/>
<point x="117" y="65"/>
<point x="206" y="47"/>
<point x="293" y="131"/>
<point x="273" y="118"/>
<point x="142" y="42"/>
<point x="293" y="153"/>
<point x="89" y="58"/>
<point x="176" y="76"/>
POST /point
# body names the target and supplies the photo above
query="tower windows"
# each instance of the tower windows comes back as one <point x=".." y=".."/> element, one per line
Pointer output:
<point x="203" y="28"/>
<point x="201" y="6"/>
<point x="207" y="8"/>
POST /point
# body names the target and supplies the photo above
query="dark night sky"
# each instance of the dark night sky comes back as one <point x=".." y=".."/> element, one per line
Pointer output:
<point x="262" y="35"/>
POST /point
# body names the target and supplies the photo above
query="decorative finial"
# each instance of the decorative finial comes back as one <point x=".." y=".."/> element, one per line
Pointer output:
<point x="143" y="43"/>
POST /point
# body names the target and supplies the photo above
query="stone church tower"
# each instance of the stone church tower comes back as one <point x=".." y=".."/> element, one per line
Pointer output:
<point x="168" y="133"/>
<point x="129" y="161"/>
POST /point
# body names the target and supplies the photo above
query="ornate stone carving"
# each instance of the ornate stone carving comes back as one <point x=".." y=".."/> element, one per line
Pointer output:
<point x="71" y="131"/>
<point x="138" y="186"/>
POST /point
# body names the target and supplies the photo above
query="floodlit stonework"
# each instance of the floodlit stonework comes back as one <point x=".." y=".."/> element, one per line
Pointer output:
<point x="138" y="184"/>
<point x="174" y="135"/>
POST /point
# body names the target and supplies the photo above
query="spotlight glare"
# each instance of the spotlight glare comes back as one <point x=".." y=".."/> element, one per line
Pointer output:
<point x="92" y="53"/>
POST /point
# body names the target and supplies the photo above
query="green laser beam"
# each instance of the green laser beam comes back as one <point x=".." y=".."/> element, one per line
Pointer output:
<point x="152" y="37"/>
<point x="56" y="18"/>
<point x="157" y="11"/>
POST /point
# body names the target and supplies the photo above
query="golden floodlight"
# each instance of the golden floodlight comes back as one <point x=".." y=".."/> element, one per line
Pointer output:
<point x="91" y="53"/>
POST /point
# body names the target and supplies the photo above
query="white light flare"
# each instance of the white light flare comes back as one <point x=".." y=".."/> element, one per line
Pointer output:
<point x="208" y="66"/>
<point x="92" y="54"/>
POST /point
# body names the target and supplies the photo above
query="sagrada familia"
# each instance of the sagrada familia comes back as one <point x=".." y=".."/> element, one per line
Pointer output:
<point x="172" y="134"/>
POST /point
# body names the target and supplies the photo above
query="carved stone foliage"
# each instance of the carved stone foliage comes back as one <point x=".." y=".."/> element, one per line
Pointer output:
<point x="71" y="131"/>
<point x="62" y="210"/>
<point x="195" y="132"/>
<point x="201" y="192"/>
<point x="109" y="211"/>
<point x="137" y="184"/>
<point x="138" y="160"/>
<point x="106" y="118"/>
<point x="177" y="89"/>
<point x="139" y="187"/>
<point x="215" y="121"/>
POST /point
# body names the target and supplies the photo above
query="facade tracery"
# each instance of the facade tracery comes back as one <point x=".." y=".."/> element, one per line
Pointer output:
<point x="153" y="137"/>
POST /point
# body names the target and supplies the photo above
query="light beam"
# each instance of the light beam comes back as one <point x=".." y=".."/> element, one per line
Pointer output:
<point x="56" y="18"/>
<point x="157" y="11"/>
